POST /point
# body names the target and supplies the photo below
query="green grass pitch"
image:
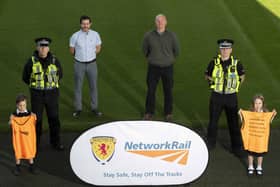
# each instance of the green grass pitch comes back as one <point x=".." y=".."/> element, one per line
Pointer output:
<point x="122" y="66"/>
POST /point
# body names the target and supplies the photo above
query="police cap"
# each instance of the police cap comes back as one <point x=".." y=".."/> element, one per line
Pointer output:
<point x="225" y="43"/>
<point x="43" y="41"/>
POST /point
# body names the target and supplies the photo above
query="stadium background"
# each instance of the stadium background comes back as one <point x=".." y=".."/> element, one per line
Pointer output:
<point x="254" y="25"/>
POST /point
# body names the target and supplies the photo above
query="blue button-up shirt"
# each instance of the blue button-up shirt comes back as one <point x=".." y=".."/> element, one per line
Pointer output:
<point x="85" y="45"/>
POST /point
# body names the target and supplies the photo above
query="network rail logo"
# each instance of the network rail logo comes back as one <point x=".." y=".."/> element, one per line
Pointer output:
<point x="173" y="151"/>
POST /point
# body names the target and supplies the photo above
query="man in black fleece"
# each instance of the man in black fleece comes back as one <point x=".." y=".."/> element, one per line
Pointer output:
<point x="160" y="47"/>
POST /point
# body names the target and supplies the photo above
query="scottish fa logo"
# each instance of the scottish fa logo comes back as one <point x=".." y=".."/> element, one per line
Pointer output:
<point x="103" y="148"/>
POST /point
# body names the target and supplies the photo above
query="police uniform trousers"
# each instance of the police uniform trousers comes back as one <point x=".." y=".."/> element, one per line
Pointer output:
<point x="218" y="103"/>
<point x="47" y="99"/>
<point x="153" y="76"/>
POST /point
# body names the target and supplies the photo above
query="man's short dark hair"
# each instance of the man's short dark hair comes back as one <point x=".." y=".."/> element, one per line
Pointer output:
<point x="20" y="98"/>
<point x="85" y="18"/>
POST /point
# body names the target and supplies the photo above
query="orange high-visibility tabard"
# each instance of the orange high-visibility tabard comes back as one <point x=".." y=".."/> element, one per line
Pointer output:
<point x="255" y="130"/>
<point x="24" y="136"/>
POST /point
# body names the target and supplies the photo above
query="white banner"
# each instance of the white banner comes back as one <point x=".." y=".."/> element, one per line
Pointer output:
<point x="139" y="153"/>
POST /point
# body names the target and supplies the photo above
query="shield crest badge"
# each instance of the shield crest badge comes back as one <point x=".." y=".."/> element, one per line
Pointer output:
<point x="103" y="148"/>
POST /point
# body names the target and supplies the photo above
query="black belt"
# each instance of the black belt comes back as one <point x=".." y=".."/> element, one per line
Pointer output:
<point x="87" y="62"/>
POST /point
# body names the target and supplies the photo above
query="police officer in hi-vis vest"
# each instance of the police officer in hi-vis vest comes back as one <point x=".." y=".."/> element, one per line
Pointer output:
<point x="225" y="74"/>
<point x="42" y="73"/>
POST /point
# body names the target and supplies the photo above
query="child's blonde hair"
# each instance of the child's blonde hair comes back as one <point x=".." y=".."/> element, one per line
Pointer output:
<point x="261" y="97"/>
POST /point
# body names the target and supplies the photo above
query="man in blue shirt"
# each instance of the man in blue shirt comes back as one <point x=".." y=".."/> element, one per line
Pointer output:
<point x="85" y="44"/>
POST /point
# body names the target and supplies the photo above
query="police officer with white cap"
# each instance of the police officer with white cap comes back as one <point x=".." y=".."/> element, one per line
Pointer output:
<point x="42" y="74"/>
<point x="225" y="74"/>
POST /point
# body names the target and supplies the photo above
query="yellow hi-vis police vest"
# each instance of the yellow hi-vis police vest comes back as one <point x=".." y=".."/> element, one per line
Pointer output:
<point x="225" y="82"/>
<point x="42" y="80"/>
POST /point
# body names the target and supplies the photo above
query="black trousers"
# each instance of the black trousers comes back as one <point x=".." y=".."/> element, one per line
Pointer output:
<point x="218" y="103"/>
<point x="154" y="74"/>
<point x="47" y="99"/>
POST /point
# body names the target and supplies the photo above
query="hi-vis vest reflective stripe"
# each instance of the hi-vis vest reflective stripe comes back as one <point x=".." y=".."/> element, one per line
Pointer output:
<point x="225" y="82"/>
<point x="24" y="136"/>
<point x="43" y="80"/>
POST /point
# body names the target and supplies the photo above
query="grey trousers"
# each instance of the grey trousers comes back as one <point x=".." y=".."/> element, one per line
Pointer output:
<point x="90" y="70"/>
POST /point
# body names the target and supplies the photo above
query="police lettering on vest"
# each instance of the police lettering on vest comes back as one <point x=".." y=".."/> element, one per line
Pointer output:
<point x="43" y="79"/>
<point x="225" y="82"/>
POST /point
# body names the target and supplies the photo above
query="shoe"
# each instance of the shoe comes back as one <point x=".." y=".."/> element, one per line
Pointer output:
<point x="97" y="113"/>
<point x="17" y="171"/>
<point x="250" y="171"/>
<point x="32" y="169"/>
<point x="259" y="172"/>
<point x="168" y="118"/>
<point x="58" y="147"/>
<point x="148" y="116"/>
<point x="77" y="114"/>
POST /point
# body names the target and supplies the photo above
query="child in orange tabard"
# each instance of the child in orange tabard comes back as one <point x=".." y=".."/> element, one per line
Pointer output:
<point x="23" y="134"/>
<point x="255" y="132"/>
